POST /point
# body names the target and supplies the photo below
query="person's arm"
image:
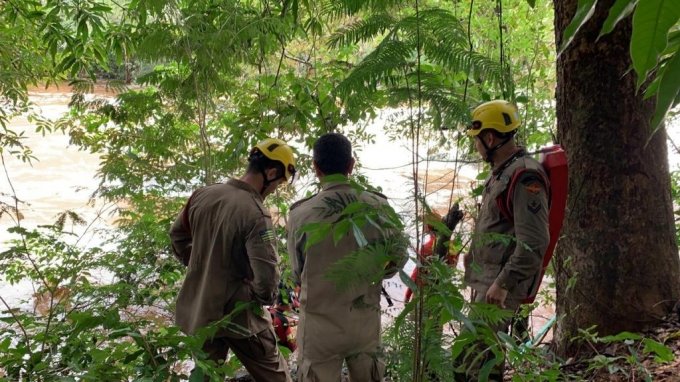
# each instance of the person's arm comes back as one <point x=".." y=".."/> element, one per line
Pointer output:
<point x="296" y="244"/>
<point x="180" y="236"/>
<point x="263" y="258"/>
<point x="530" y="210"/>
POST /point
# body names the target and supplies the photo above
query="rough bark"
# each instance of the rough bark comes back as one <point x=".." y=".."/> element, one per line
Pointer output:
<point x="619" y="243"/>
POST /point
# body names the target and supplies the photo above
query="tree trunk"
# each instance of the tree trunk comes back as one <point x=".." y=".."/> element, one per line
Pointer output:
<point x="617" y="264"/>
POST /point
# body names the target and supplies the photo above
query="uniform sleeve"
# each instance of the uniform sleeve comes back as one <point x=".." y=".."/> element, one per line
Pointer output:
<point x="180" y="238"/>
<point x="263" y="259"/>
<point x="296" y="245"/>
<point x="530" y="210"/>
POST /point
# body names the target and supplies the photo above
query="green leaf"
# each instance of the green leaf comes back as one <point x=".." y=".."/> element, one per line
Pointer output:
<point x="669" y="89"/>
<point x="651" y="22"/>
<point x="316" y="233"/>
<point x="673" y="43"/>
<point x="406" y="279"/>
<point x="585" y="10"/>
<point x="358" y="235"/>
<point x="532" y="3"/>
<point x="619" y="11"/>
<point x="340" y="230"/>
<point x="485" y="370"/>
<point x="620" y="337"/>
<point x="197" y="375"/>
<point x="354" y="207"/>
<point x="662" y="353"/>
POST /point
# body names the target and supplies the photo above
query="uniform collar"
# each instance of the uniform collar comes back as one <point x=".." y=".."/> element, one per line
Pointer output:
<point x="333" y="182"/>
<point x="244" y="186"/>
<point x="501" y="167"/>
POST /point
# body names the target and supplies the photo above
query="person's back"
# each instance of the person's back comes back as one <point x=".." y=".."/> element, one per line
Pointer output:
<point x="224" y="236"/>
<point x="330" y="312"/>
<point x="340" y="322"/>
<point x="221" y="217"/>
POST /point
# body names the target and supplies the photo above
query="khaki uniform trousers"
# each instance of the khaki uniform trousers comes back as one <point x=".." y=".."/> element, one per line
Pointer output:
<point x="259" y="354"/>
<point x="363" y="367"/>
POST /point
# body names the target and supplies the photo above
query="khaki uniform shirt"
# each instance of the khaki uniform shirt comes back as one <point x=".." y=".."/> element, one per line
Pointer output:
<point x="334" y="324"/>
<point x="511" y="252"/>
<point x="233" y="259"/>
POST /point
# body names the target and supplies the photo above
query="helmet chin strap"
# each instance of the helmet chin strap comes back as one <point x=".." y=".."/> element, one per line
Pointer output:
<point x="266" y="182"/>
<point x="491" y="151"/>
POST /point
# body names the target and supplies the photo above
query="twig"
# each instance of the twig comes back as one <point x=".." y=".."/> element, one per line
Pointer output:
<point x="16" y="319"/>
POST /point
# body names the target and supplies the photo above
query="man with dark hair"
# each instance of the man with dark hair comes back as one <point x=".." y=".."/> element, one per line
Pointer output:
<point x="224" y="236"/>
<point x="341" y="324"/>
<point x="333" y="154"/>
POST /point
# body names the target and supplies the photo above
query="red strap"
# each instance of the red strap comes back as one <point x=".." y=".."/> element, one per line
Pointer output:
<point x="504" y="200"/>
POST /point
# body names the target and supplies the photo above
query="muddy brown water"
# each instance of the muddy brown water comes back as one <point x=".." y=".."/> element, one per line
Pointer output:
<point x="64" y="178"/>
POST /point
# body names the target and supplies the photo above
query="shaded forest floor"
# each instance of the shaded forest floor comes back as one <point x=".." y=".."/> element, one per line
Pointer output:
<point x="626" y="362"/>
<point x="616" y="362"/>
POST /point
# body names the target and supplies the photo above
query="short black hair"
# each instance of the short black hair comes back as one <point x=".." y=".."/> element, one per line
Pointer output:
<point x="333" y="154"/>
<point x="258" y="162"/>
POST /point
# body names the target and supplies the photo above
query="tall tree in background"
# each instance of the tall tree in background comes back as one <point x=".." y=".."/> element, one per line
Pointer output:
<point x="617" y="263"/>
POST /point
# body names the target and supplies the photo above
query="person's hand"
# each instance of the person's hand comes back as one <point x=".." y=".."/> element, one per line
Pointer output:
<point x="453" y="217"/>
<point x="496" y="295"/>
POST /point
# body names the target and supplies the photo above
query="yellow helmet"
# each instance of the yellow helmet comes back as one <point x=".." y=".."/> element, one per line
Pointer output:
<point x="278" y="150"/>
<point x="498" y="115"/>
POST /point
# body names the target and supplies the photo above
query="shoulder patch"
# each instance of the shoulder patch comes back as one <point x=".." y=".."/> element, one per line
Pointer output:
<point x="267" y="235"/>
<point x="532" y="181"/>
<point x="300" y="202"/>
<point x="533" y="188"/>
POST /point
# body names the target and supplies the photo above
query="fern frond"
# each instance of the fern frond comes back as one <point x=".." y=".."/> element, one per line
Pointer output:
<point x="389" y="58"/>
<point x="336" y="9"/>
<point x="361" y="30"/>
<point x="365" y="265"/>
<point x="435" y="24"/>
<point x="457" y="59"/>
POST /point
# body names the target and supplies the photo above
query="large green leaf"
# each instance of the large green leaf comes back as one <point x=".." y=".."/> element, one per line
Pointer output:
<point x="669" y="89"/>
<point x="662" y="353"/>
<point x="651" y="22"/>
<point x="619" y="11"/>
<point x="585" y="10"/>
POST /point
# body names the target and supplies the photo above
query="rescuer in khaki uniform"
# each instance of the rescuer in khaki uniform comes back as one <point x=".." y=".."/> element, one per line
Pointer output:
<point x="338" y="324"/>
<point x="224" y="236"/>
<point x="504" y="263"/>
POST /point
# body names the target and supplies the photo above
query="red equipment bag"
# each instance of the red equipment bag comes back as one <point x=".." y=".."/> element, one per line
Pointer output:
<point x="554" y="161"/>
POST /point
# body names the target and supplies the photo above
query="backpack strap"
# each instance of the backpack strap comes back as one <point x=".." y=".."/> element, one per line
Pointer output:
<point x="504" y="200"/>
